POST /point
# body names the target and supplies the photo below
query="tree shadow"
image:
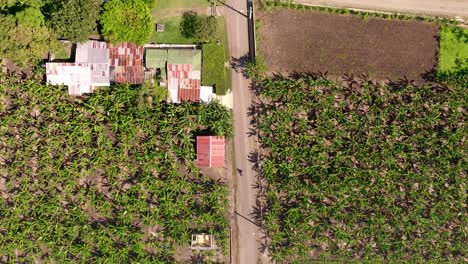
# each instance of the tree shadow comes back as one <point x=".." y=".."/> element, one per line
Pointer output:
<point x="316" y="75"/>
<point x="246" y="218"/>
<point x="400" y="83"/>
<point x="254" y="158"/>
<point x="239" y="65"/>
<point x="196" y="259"/>
<point x="429" y="75"/>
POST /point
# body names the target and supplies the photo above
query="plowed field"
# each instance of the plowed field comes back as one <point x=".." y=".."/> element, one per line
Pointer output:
<point x="305" y="41"/>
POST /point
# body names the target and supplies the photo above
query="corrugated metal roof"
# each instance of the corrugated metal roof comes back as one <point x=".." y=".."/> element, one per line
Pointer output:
<point x="126" y="61"/>
<point x="210" y="151"/>
<point x="185" y="56"/>
<point x="155" y="58"/>
<point x="188" y="89"/>
<point x="128" y="74"/>
<point x="80" y="78"/>
<point x="92" y="52"/>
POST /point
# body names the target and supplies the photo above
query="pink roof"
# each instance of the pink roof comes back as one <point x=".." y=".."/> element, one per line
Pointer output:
<point x="210" y="151"/>
<point x="188" y="82"/>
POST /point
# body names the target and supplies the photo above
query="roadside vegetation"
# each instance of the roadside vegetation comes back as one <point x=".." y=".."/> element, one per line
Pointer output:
<point x="360" y="171"/>
<point x="269" y="5"/>
<point x="105" y="178"/>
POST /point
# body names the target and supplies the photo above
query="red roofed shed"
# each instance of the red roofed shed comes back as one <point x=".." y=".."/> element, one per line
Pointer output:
<point x="210" y="151"/>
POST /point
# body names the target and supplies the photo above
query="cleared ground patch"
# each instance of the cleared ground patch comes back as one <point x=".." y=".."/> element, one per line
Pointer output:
<point x="304" y="41"/>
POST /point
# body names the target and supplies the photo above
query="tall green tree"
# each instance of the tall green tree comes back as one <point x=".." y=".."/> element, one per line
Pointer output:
<point x="127" y="21"/>
<point x="24" y="40"/>
<point x="75" y="20"/>
<point x="30" y="16"/>
<point x="12" y="3"/>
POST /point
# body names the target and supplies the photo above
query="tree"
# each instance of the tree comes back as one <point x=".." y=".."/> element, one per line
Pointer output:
<point x="127" y="21"/>
<point x="30" y="16"/>
<point x="201" y="28"/>
<point x="24" y="41"/>
<point x="75" y="19"/>
<point x="12" y="3"/>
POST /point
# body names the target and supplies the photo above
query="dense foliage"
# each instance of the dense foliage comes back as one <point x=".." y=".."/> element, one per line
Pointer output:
<point x="23" y="37"/>
<point x="17" y="3"/>
<point x="201" y="28"/>
<point x="101" y="179"/>
<point x="75" y="20"/>
<point x="363" y="171"/>
<point x="127" y="21"/>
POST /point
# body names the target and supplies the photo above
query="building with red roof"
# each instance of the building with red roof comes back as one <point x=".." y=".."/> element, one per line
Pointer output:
<point x="183" y="83"/>
<point x="98" y="64"/>
<point x="126" y="63"/>
<point x="210" y="151"/>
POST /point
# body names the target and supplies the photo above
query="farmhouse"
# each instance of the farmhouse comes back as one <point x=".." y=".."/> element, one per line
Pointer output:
<point x="100" y="64"/>
<point x="180" y="71"/>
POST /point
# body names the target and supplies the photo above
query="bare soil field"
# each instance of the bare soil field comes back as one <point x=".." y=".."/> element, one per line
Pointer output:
<point x="306" y="41"/>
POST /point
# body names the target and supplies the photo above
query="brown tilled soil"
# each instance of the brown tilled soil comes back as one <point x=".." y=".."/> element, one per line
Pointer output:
<point x="305" y="41"/>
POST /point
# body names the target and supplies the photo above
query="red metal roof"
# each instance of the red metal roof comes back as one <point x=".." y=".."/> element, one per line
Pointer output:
<point x="188" y="86"/>
<point x="210" y="151"/>
<point x="127" y="61"/>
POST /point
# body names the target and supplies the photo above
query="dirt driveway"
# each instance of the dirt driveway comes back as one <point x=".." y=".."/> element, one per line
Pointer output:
<point x="450" y="8"/>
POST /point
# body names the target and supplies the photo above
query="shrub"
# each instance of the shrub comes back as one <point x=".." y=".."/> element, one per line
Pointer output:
<point x="256" y="70"/>
<point x="201" y="28"/>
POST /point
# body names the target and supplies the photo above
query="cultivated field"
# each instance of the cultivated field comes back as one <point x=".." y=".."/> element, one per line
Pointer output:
<point x="292" y="40"/>
<point x="107" y="178"/>
<point x="363" y="172"/>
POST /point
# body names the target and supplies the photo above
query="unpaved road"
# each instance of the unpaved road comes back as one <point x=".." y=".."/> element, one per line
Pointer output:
<point x="248" y="234"/>
<point x="450" y="8"/>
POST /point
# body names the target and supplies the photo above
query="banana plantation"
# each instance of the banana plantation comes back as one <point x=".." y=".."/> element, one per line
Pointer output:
<point x="361" y="171"/>
<point x="108" y="178"/>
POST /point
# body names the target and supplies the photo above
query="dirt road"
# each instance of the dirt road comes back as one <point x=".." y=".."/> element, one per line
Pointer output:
<point x="450" y="8"/>
<point x="247" y="232"/>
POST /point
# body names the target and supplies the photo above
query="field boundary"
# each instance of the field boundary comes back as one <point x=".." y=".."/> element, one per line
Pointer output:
<point x="363" y="12"/>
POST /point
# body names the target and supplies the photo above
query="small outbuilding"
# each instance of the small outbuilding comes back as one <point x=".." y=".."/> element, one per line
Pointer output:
<point x="210" y="151"/>
<point x="160" y="27"/>
<point x="202" y="242"/>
